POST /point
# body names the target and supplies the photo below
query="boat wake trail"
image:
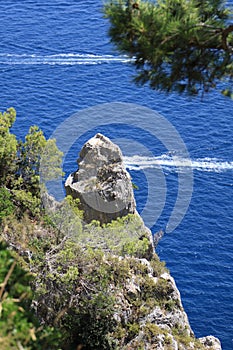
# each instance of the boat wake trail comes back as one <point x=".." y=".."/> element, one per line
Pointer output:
<point x="61" y="59"/>
<point x="172" y="163"/>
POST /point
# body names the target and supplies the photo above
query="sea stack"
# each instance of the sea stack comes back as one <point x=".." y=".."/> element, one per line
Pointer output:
<point x="101" y="182"/>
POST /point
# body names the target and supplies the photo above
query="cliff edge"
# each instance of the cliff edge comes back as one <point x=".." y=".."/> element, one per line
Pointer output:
<point x="148" y="312"/>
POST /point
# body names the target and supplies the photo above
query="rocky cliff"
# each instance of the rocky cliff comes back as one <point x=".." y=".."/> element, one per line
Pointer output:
<point x="148" y="312"/>
<point x="101" y="284"/>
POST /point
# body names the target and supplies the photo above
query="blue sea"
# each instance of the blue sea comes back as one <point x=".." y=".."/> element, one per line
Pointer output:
<point x="56" y="60"/>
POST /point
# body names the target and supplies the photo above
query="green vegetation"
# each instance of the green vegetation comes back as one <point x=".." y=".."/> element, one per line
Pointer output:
<point x="19" y="166"/>
<point x="124" y="236"/>
<point x="8" y="146"/>
<point x="177" y="45"/>
<point x="20" y="206"/>
<point x="90" y="291"/>
<point x="19" y="329"/>
<point x="6" y="206"/>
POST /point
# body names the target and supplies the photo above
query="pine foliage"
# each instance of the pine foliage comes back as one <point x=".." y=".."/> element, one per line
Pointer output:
<point x="175" y="45"/>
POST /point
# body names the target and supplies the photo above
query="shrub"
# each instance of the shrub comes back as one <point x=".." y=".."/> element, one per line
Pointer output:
<point x="6" y="206"/>
<point x="19" y="329"/>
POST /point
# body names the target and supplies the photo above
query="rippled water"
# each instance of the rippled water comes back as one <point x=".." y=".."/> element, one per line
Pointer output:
<point x="55" y="60"/>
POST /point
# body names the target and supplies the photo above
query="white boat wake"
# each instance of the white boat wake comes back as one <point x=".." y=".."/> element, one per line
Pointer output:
<point x="61" y="59"/>
<point x="171" y="163"/>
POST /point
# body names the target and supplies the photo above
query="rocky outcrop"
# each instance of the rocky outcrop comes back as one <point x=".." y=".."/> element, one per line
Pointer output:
<point x="101" y="182"/>
<point x="149" y="312"/>
<point x="211" y="343"/>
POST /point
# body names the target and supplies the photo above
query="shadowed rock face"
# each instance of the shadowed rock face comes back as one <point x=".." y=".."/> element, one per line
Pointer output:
<point x="101" y="182"/>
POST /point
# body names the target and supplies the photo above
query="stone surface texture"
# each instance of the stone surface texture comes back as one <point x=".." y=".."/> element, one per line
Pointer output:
<point x="101" y="182"/>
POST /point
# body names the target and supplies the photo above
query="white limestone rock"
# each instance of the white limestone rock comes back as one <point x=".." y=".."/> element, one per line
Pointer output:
<point x="101" y="182"/>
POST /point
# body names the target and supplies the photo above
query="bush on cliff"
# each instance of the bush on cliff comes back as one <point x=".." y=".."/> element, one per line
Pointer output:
<point x="19" y="329"/>
<point x="20" y="164"/>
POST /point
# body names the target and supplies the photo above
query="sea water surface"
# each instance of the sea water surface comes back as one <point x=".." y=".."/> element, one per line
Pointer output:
<point x="55" y="60"/>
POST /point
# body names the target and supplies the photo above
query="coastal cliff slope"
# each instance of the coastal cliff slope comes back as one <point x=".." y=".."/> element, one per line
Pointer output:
<point x="148" y="299"/>
<point x="97" y="279"/>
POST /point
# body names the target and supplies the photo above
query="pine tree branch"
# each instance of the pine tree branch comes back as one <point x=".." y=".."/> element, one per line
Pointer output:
<point x="9" y="273"/>
<point x="225" y="34"/>
<point x="214" y="31"/>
